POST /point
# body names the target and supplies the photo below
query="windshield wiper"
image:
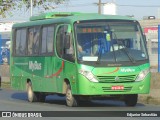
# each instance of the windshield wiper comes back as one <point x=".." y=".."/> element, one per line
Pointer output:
<point x="125" y="49"/>
<point x="129" y="55"/>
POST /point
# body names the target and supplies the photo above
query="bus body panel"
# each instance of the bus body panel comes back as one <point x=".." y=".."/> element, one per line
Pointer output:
<point x="49" y="77"/>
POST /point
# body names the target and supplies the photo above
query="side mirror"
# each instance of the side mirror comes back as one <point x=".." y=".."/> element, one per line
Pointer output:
<point x="67" y="41"/>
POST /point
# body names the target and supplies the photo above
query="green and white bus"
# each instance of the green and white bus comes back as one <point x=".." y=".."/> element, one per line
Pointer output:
<point x="83" y="56"/>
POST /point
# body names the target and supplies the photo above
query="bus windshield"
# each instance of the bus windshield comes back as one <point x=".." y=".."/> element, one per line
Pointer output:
<point x="116" y="41"/>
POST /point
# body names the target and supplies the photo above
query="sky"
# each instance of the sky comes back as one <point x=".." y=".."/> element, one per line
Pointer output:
<point x="138" y="8"/>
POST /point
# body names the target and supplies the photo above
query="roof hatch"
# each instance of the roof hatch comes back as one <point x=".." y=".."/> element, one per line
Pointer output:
<point x="52" y="15"/>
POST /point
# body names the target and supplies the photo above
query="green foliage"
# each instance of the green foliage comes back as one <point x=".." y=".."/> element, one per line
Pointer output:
<point x="6" y="6"/>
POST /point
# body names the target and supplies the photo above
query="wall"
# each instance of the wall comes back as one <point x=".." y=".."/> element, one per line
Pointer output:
<point x="0" y="50"/>
<point x="150" y="28"/>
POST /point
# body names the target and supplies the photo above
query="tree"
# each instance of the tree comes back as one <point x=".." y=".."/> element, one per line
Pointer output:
<point x="6" y="6"/>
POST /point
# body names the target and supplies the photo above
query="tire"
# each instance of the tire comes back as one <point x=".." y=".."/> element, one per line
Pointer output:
<point x="71" y="100"/>
<point x="41" y="97"/>
<point x="131" y="100"/>
<point x="32" y="96"/>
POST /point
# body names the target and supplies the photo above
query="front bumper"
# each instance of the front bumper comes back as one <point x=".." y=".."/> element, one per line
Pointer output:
<point x="85" y="87"/>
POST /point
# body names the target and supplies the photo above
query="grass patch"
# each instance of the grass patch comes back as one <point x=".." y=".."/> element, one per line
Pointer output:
<point x="148" y="99"/>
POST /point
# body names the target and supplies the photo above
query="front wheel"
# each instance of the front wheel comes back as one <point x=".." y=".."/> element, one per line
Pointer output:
<point x="131" y="100"/>
<point x="71" y="100"/>
<point x="41" y="97"/>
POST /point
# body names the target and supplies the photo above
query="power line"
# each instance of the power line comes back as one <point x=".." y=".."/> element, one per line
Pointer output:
<point x="80" y="5"/>
<point x="123" y="5"/>
<point x="139" y="5"/>
<point x="99" y="4"/>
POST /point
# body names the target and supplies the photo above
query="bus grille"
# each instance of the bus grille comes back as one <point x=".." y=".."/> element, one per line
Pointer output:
<point x="116" y="79"/>
<point x="109" y="89"/>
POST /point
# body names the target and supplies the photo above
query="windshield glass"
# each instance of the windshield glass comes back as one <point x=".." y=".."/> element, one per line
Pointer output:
<point x="116" y="41"/>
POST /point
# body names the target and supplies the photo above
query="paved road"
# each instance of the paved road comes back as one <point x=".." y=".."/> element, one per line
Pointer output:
<point x="11" y="100"/>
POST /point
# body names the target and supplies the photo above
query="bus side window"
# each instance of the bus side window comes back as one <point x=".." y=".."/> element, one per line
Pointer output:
<point x="21" y="42"/>
<point x="18" y="39"/>
<point x="36" y="40"/>
<point x="50" y="39"/>
<point x="30" y="41"/>
<point x="47" y="39"/>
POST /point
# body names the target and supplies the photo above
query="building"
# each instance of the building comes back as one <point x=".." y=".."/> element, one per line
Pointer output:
<point x="5" y="36"/>
<point x="5" y="31"/>
<point x="150" y="28"/>
<point x="109" y="9"/>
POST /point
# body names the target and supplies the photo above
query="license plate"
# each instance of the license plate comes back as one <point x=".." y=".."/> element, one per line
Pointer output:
<point x="117" y="87"/>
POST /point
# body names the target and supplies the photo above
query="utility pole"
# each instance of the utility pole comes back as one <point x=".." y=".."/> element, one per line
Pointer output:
<point x="99" y="7"/>
<point x="31" y="10"/>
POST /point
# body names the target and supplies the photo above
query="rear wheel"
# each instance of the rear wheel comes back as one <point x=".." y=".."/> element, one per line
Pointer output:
<point x="71" y="100"/>
<point x="32" y="96"/>
<point x="131" y="100"/>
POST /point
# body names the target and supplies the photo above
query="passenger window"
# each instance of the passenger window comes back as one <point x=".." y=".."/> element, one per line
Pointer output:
<point x="50" y="37"/>
<point x="21" y="42"/>
<point x="33" y="40"/>
<point x="47" y="39"/>
<point x="36" y="40"/>
<point x="30" y="41"/>
<point x="44" y="40"/>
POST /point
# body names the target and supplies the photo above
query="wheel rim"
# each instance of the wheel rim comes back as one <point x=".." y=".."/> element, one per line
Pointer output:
<point x="69" y="97"/>
<point x="30" y="93"/>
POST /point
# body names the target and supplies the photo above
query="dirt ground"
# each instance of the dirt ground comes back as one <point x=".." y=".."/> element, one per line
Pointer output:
<point x="154" y="96"/>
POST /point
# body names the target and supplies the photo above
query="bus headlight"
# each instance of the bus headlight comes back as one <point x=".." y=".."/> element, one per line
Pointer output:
<point x="142" y="75"/>
<point x="88" y="75"/>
